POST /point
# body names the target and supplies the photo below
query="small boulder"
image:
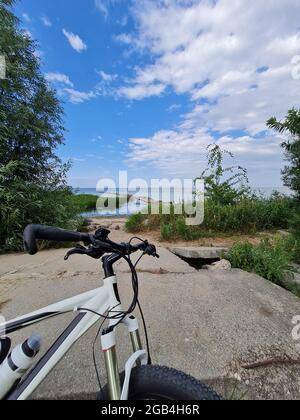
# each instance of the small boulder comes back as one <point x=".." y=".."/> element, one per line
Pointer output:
<point x="296" y="268"/>
<point x="220" y="265"/>
<point x="291" y="280"/>
<point x="206" y="253"/>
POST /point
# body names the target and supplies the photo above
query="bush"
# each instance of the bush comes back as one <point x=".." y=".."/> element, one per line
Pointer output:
<point x="85" y="202"/>
<point x="248" y="216"/>
<point x="179" y="230"/>
<point x="270" y="259"/>
<point x="167" y="231"/>
<point x="24" y="203"/>
<point x="134" y="223"/>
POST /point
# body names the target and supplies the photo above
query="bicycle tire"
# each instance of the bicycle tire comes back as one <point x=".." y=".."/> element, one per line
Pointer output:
<point x="165" y="384"/>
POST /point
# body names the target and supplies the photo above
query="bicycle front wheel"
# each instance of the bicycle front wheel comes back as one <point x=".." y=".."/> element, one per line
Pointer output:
<point x="165" y="384"/>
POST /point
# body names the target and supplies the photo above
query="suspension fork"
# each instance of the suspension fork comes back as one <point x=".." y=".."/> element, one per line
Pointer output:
<point x="108" y="341"/>
<point x="133" y="327"/>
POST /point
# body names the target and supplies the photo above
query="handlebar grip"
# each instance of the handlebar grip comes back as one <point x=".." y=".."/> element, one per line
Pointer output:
<point x="34" y="232"/>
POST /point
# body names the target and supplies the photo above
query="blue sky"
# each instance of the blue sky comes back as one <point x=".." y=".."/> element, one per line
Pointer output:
<point x="147" y="85"/>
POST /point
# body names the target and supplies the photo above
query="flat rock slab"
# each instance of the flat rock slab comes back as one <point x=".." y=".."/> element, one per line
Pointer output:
<point x="297" y="279"/>
<point x="296" y="268"/>
<point x="207" y="253"/>
<point x="208" y="324"/>
<point x="166" y="264"/>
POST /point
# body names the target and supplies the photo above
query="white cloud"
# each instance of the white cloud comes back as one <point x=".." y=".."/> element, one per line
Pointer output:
<point x="173" y="107"/>
<point x="123" y="21"/>
<point x="124" y="39"/>
<point x="98" y="138"/>
<point x="77" y="97"/>
<point x="104" y="7"/>
<point x="28" y="33"/>
<point x="66" y="88"/>
<point x="211" y="51"/>
<point x="46" y="21"/>
<point x="26" y="18"/>
<point x="75" y="159"/>
<point x="75" y="41"/>
<point x="107" y="77"/>
<point x="139" y="91"/>
<point x="59" y="78"/>
<point x="182" y="153"/>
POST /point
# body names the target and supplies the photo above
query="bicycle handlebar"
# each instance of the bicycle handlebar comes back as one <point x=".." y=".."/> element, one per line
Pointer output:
<point x="34" y="232"/>
<point x="99" y="240"/>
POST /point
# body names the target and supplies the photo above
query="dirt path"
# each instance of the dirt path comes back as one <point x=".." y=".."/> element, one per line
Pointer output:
<point x="154" y="236"/>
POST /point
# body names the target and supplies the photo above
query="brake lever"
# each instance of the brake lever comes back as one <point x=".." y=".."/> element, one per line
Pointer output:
<point x="81" y="250"/>
<point x="151" y="251"/>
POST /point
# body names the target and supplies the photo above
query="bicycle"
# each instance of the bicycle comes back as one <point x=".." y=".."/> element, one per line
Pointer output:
<point x="140" y="380"/>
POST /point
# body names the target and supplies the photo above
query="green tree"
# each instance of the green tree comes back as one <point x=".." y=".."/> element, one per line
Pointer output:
<point x="224" y="185"/>
<point x="31" y="115"/>
<point x="291" y="127"/>
<point x="291" y="173"/>
<point x="32" y="178"/>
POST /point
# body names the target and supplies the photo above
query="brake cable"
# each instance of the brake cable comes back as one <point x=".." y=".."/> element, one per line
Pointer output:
<point x="135" y="286"/>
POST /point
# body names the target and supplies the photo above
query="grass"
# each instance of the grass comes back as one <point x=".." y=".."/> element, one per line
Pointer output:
<point x="271" y="259"/>
<point x="85" y="202"/>
<point x="245" y="217"/>
<point x="135" y="223"/>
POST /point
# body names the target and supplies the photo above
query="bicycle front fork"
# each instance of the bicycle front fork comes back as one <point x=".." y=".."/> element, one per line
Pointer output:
<point x="108" y="341"/>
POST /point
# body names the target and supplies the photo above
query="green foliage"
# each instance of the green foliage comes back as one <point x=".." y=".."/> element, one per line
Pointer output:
<point x="85" y="202"/>
<point x="32" y="178"/>
<point x="167" y="231"/>
<point x="291" y="246"/>
<point x="291" y="173"/>
<point x="293" y="289"/>
<point x="224" y="185"/>
<point x="295" y="224"/>
<point x="23" y="203"/>
<point x="270" y="259"/>
<point x="291" y="127"/>
<point x="178" y="230"/>
<point x="135" y="223"/>
<point x="31" y="116"/>
<point x="248" y="216"/>
<point x="230" y="205"/>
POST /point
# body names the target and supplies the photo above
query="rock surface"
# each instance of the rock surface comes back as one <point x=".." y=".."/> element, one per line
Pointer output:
<point x="297" y="279"/>
<point x="296" y="268"/>
<point x="291" y="280"/>
<point x="209" y="253"/>
<point x="220" y="265"/>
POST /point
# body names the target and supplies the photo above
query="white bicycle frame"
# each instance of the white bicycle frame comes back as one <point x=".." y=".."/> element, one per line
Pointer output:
<point x="101" y="301"/>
